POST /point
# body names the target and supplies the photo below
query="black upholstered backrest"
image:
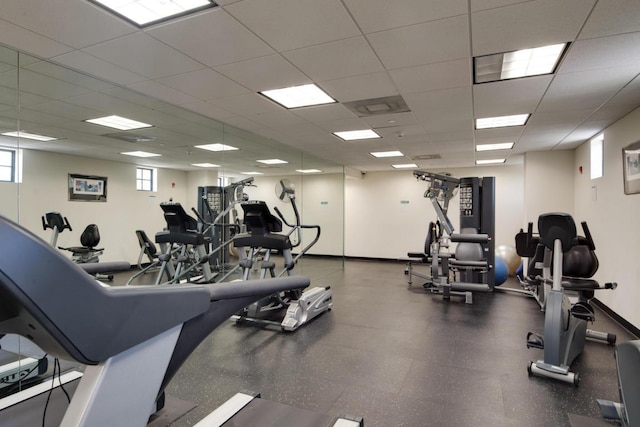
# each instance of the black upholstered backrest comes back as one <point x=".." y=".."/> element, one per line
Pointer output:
<point x="258" y="218"/>
<point x="557" y="226"/>
<point x="146" y="243"/>
<point x="90" y="237"/>
<point x="178" y="220"/>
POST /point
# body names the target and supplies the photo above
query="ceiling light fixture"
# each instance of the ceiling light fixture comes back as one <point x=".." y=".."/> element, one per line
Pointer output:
<point x="308" y="170"/>
<point x="141" y="154"/>
<point x="26" y="135"/>
<point x="118" y="122"/>
<point x="380" y="154"/>
<point x="272" y="161"/>
<point x="251" y="173"/>
<point x="205" y="165"/>
<point x="299" y="96"/>
<point x="497" y="146"/>
<point x="490" y="161"/>
<point x="217" y="147"/>
<point x="147" y="12"/>
<point x="353" y="135"/>
<point x="405" y="166"/>
<point x="502" y="121"/>
<point x="520" y="63"/>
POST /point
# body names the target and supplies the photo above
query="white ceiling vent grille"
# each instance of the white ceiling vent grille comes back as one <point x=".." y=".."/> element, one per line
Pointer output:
<point x="377" y="106"/>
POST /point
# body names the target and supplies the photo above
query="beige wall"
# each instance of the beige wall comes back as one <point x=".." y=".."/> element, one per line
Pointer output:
<point x="548" y="183"/>
<point x="613" y="218"/>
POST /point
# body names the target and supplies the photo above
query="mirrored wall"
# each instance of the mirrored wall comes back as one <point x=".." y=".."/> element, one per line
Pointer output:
<point x="78" y="168"/>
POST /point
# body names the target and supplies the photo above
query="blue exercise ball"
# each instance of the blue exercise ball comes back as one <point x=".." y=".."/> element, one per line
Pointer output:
<point x="502" y="271"/>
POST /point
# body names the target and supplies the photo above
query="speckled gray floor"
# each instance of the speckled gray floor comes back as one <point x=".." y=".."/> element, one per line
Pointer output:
<point x="399" y="357"/>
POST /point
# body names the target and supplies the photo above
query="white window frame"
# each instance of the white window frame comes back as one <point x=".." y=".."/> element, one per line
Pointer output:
<point x="141" y="179"/>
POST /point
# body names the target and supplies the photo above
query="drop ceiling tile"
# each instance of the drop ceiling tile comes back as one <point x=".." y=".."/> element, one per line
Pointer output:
<point x="144" y="55"/>
<point x="585" y="89"/>
<point x="264" y="73"/>
<point x="518" y="96"/>
<point x="85" y="24"/>
<point x="204" y="84"/>
<point x="353" y="55"/>
<point x="343" y="125"/>
<point x="367" y="86"/>
<point x="529" y="24"/>
<point x="323" y="113"/>
<point x="391" y="120"/>
<point x="606" y="52"/>
<point x="42" y="85"/>
<point x="208" y="110"/>
<point x="245" y="105"/>
<point x="292" y="24"/>
<point x="490" y="136"/>
<point x="477" y="5"/>
<point x="565" y="116"/>
<point x="97" y="67"/>
<point x="447" y="102"/>
<point x="441" y="75"/>
<point x="163" y="92"/>
<point x="612" y="17"/>
<point x="30" y="41"/>
<point x="276" y="119"/>
<point x="213" y="38"/>
<point x="410" y="46"/>
<point x="378" y="15"/>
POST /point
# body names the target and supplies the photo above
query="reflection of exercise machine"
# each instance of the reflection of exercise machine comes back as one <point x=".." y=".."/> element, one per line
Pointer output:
<point x="217" y="207"/>
<point x="182" y="246"/>
<point x="264" y="235"/>
<point x="130" y="358"/>
<point x="569" y="262"/>
<point x="471" y="268"/>
<point x="87" y="255"/>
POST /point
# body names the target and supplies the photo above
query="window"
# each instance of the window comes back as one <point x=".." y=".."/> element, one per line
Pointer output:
<point x="7" y="165"/>
<point x="597" y="156"/>
<point x="146" y="179"/>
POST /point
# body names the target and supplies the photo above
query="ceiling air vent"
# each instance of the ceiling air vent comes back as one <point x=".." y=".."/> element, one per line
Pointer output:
<point x="376" y="106"/>
<point x="131" y="137"/>
<point x="427" y="157"/>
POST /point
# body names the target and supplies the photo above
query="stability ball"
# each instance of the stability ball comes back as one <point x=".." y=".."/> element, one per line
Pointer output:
<point x="510" y="256"/>
<point x="501" y="271"/>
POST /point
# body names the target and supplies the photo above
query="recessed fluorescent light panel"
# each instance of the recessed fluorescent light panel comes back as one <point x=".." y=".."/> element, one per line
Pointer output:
<point x="272" y="161"/>
<point x="490" y="161"/>
<point x="141" y="154"/>
<point x="205" y="165"/>
<point x="118" y="122"/>
<point x="353" y="135"/>
<point x="519" y="63"/>
<point x="308" y="170"/>
<point x="33" y="136"/>
<point x="251" y="173"/>
<point x="380" y="154"/>
<point x="498" y="146"/>
<point x="502" y="121"/>
<point x="405" y="166"/>
<point x="217" y="147"/>
<point x="147" y="12"/>
<point x="299" y="96"/>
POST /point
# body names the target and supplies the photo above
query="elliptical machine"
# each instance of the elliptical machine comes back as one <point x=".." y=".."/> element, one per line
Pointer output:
<point x="263" y="237"/>
<point x="569" y="262"/>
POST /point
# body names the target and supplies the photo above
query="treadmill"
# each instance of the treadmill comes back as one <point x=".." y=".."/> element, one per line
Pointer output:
<point x="132" y="340"/>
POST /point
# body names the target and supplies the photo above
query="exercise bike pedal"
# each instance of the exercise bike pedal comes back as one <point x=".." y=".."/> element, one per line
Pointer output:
<point x="535" y="341"/>
<point x="583" y="311"/>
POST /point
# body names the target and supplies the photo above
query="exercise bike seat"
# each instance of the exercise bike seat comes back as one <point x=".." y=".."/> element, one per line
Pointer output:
<point x="89" y="239"/>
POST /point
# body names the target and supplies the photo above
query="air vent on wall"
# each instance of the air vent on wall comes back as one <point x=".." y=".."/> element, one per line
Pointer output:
<point x="131" y="137"/>
<point x="377" y="106"/>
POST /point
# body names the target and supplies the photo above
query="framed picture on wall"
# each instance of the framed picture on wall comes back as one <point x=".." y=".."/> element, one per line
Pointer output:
<point x="631" y="168"/>
<point x="87" y="188"/>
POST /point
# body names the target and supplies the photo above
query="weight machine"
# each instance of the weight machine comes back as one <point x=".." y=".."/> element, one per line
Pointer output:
<point x="471" y="268"/>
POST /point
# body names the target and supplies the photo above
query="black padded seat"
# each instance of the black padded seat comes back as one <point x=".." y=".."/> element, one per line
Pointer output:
<point x="183" y="238"/>
<point x="579" y="284"/>
<point x="266" y="241"/>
